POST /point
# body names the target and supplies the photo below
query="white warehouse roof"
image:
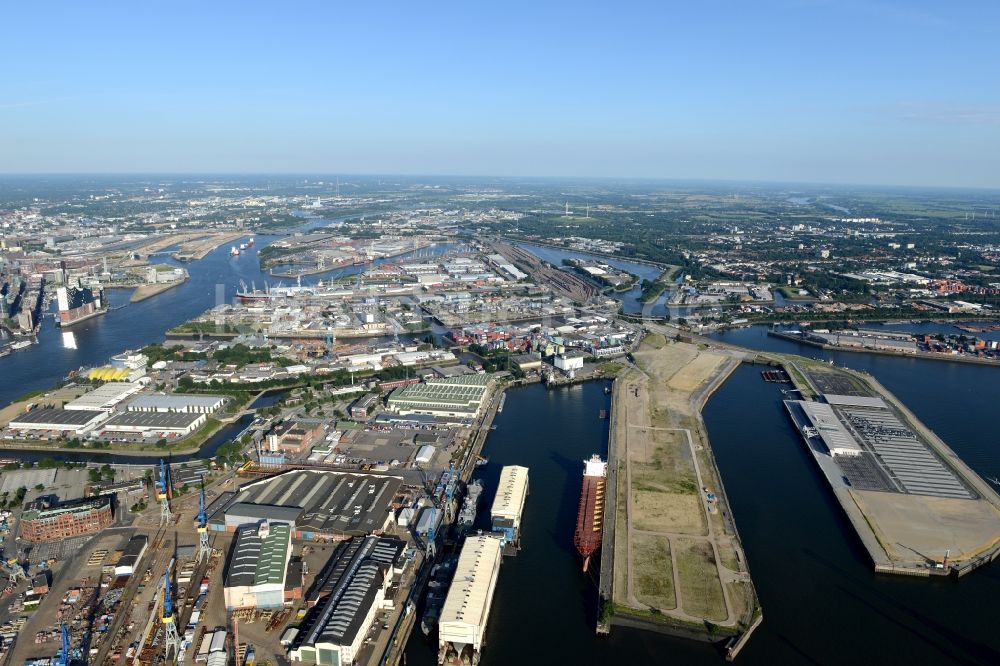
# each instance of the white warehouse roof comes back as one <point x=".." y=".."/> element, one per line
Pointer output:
<point x="831" y="430"/>
<point x="511" y="492"/>
<point x="104" y="398"/>
<point x="175" y="402"/>
<point x="467" y="606"/>
<point x="425" y="454"/>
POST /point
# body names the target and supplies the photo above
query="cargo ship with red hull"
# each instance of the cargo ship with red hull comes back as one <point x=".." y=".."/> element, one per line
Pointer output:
<point x="590" y="516"/>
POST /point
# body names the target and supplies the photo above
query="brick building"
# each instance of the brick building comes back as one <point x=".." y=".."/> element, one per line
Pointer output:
<point x="70" y="519"/>
<point x="294" y="436"/>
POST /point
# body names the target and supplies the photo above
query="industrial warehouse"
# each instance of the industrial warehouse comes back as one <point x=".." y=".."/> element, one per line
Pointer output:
<point x="350" y="590"/>
<point x="177" y="403"/>
<point x="164" y="423"/>
<point x="874" y="448"/>
<point x="320" y="505"/>
<point x="104" y="411"/>
<point x="63" y="421"/>
<point x="106" y="397"/>
<point x="454" y="397"/>
<point x="258" y="566"/>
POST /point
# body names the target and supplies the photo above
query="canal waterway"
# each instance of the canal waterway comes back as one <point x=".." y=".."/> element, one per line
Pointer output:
<point x="545" y="608"/>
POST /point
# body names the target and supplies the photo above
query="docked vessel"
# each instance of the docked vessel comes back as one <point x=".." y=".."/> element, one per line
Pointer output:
<point x="437" y="592"/>
<point x="467" y="516"/>
<point x="590" y="515"/>
<point x="503" y="399"/>
<point x="21" y="344"/>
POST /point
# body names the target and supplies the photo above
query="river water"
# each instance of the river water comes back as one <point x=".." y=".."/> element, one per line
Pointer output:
<point x="213" y="280"/>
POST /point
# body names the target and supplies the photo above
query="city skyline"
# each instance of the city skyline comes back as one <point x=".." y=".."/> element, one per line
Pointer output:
<point x="892" y="94"/>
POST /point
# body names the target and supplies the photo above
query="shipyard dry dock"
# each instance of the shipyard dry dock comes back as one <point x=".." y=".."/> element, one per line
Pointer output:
<point x="462" y="624"/>
<point x="508" y="505"/>
<point x="916" y="507"/>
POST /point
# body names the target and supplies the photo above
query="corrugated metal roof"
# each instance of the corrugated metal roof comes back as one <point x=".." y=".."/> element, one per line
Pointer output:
<point x="328" y="502"/>
<point x="257" y="561"/>
<point x="357" y="576"/>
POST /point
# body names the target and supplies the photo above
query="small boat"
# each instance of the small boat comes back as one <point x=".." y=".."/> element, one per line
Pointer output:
<point x="234" y="252"/>
<point x="482" y="462"/>
<point x="607" y="390"/>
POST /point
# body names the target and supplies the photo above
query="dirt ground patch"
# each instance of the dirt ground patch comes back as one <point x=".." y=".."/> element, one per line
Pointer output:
<point x="694" y="374"/>
<point x="701" y="589"/>
<point x="654" y="571"/>
<point x="663" y="483"/>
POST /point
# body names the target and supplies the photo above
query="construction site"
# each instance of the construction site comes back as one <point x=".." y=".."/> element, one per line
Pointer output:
<point x="677" y="562"/>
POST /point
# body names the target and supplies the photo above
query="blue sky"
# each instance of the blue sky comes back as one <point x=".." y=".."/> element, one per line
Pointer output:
<point x="877" y="92"/>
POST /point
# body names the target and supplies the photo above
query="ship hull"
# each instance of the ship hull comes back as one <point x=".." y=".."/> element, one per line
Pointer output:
<point x="590" y="518"/>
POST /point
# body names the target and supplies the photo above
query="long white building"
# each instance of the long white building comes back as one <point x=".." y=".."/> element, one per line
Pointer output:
<point x="462" y="624"/>
<point x="508" y="504"/>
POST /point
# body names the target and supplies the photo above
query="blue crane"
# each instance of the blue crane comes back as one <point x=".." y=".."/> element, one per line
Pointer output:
<point x="204" y="551"/>
<point x="172" y="639"/>
<point x="64" y="655"/>
<point x="162" y="489"/>
<point x="168" y="601"/>
<point x="162" y="483"/>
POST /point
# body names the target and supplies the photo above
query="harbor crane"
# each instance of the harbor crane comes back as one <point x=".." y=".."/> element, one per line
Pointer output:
<point x="431" y="543"/>
<point x="204" y="552"/>
<point x="171" y="639"/>
<point x="63" y="659"/>
<point x="163" y="490"/>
